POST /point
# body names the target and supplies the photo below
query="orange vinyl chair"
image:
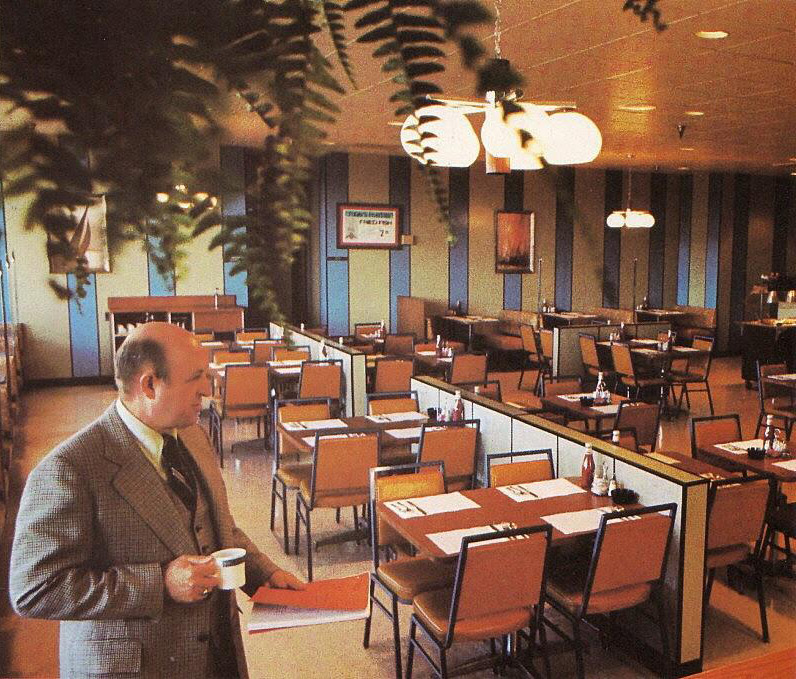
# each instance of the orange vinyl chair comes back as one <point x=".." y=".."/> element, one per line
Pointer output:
<point x="774" y="400"/>
<point x="203" y="336"/>
<point x="245" y="396"/>
<point x="222" y="356"/>
<point x="626" y="569"/>
<point x="695" y="374"/>
<point x="707" y="431"/>
<point x="290" y="465"/>
<point x="251" y="335"/>
<point x="392" y="402"/>
<point x="456" y="444"/>
<point x="528" y="337"/>
<point x="498" y="590"/>
<point x="627" y="438"/>
<point x="589" y="357"/>
<point x="488" y="389"/>
<point x="399" y="345"/>
<point x="644" y="418"/>
<point x="736" y="513"/>
<point x="629" y="377"/>
<point x="339" y="478"/>
<point x="525" y="466"/>
<point x="291" y="354"/>
<point x="323" y="379"/>
<point x="264" y="350"/>
<point x="467" y="368"/>
<point x="401" y="579"/>
<point x="393" y="374"/>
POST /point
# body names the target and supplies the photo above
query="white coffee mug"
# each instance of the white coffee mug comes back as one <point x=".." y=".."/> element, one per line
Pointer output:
<point x="231" y="566"/>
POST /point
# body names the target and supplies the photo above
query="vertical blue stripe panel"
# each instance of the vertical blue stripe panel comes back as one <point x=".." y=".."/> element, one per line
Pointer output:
<point x="83" y="330"/>
<point x="684" y="253"/>
<point x="337" y="271"/>
<point x="336" y="192"/>
<point x="715" y="200"/>
<point x="459" y="252"/>
<point x="612" y="242"/>
<point x="565" y="231"/>
<point x="400" y="260"/>
<point x="320" y="194"/>
<point x="513" y="200"/>
<point x="740" y="245"/>
<point x="233" y="204"/>
<point x="512" y="291"/>
<point x="8" y="314"/>
<point x="159" y="284"/>
<point x="657" y="249"/>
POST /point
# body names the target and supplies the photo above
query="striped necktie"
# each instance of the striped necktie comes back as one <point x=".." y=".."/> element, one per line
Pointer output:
<point x="178" y="472"/>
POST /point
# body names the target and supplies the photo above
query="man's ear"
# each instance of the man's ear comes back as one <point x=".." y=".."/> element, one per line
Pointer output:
<point x="146" y="381"/>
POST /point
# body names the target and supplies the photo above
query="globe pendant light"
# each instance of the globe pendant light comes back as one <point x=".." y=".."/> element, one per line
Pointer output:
<point x="629" y="218"/>
<point x="570" y="139"/>
<point x="440" y="135"/>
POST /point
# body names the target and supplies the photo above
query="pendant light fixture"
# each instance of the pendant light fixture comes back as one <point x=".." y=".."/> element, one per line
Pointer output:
<point x="629" y="218"/>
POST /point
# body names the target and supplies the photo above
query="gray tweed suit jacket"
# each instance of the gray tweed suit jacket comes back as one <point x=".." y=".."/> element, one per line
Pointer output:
<point x="95" y="527"/>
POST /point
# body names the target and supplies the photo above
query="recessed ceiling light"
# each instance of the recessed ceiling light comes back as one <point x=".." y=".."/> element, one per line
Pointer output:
<point x="712" y="35"/>
<point x="686" y="148"/>
<point x="636" y="108"/>
<point x="695" y="114"/>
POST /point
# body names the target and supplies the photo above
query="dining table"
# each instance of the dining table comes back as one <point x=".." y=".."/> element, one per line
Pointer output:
<point x="733" y="456"/>
<point x="658" y="314"/>
<point x="572" y="406"/>
<point x="691" y="465"/>
<point x="465" y="327"/>
<point x="554" y="319"/>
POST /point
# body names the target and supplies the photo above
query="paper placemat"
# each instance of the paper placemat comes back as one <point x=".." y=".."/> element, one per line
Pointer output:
<point x="610" y="409"/>
<point x="644" y="341"/>
<point x="324" y="424"/>
<point x="405" y="416"/>
<point x="684" y="350"/>
<point x="540" y="490"/>
<point x="790" y="465"/>
<point x="663" y="458"/>
<point x="576" y="397"/>
<point x="431" y="504"/>
<point x="296" y="370"/>
<point x="219" y="366"/>
<point x="277" y="364"/>
<point x="310" y="440"/>
<point x="426" y="353"/>
<point x="739" y="447"/>
<point x="408" y="433"/>
<point x="584" y="521"/>
<point x="450" y="541"/>
<point x="787" y="377"/>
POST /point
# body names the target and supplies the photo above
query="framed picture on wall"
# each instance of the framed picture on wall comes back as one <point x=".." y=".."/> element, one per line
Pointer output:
<point x="87" y="239"/>
<point x="514" y="242"/>
<point x="368" y="226"/>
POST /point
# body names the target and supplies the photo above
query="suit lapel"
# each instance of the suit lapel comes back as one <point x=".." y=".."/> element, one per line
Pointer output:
<point x="141" y="486"/>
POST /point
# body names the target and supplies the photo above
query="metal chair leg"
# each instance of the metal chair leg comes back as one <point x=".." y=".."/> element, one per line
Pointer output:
<point x="410" y="654"/>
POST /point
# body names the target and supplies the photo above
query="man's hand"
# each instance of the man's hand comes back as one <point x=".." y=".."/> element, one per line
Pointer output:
<point x="284" y="580"/>
<point x="190" y="578"/>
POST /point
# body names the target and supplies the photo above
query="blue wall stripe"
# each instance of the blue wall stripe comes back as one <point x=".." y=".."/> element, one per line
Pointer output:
<point x="8" y="309"/>
<point x="335" y="190"/>
<point x="740" y="244"/>
<point x="400" y="260"/>
<point x="565" y="231"/>
<point x="337" y="302"/>
<point x="657" y="249"/>
<point x="784" y="219"/>
<point x="612" y="241"/>
<point x="159" y="284"/>
<point x="83" y="329"/>
<point x="233" y="204"/>
<point x="715" y="205"/>
<point x="684" y="251"/>
<point x="458" y="253"/>
<point x="320" y="195"/>
<point x="513" y="200"/>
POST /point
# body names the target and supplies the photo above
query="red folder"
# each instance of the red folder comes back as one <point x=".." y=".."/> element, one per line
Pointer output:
<point x="337" y="594"/>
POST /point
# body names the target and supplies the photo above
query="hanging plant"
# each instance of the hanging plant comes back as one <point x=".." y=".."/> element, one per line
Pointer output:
<point x="120" y="98"/>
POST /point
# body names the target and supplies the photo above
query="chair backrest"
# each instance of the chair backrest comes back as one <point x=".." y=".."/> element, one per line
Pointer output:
<point x="291" y="354"/>
<point x="321" y="379"/>
<point x="736" y="511"/>
<point x="623" y="359"/>
<point x="456" y="444"/>
<point x="203" y="336"/>
<point x="627" y="437"/>
<point x="393" y="374"/>
<point x="588" y="352"/>
<point x="554" y="386"/>
<point x="295" y="411"/>
<point x="341" y="466"/>
<point x="468" y="368"/>
<point x="264" y="350"/>
<point x="489" y="389"/>
<point x="528" y="337"/>
<point x="766" y="389"/>
<point x="392" y="402"/>
<point x="246" y="390"/>
<point x="251" y="335"/>
<point x="701" y="364"/>
<point x="227" y="356"/>
<point x="706" y="431"/>
<point x="399" y="345"/>
<point x="483" y="588"/>
<point x="629" y="552"/>
<point x="526" y="466"/>
<point x="398" y="482"/>
<point x="367" y="328"/>
<point x="546" y="342"/>
<point x="643" y="417"/>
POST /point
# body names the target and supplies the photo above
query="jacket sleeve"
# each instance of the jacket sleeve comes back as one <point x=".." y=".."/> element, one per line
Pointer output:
<point x="52" y="572"/>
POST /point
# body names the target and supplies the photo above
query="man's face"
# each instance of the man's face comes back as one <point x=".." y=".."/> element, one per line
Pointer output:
<point x="178" y="399"/>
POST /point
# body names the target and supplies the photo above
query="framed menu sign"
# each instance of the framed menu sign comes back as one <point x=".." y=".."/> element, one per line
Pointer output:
<point x="367" y="226"/>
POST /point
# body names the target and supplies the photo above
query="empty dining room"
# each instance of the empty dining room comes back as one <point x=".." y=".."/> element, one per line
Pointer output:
<point x="493" y="302"/>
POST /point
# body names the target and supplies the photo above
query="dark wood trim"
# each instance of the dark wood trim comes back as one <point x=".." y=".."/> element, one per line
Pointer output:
<point x="612" y="241"/>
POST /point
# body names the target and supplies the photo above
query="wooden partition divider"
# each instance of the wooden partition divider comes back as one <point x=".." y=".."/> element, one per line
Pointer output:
<point x="353" y="360"/>
<point x="507" y="429"/>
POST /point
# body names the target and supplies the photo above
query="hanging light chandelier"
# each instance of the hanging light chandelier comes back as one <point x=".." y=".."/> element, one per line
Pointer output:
<point x="629" y="218"/>
<point x="515" y="135"/>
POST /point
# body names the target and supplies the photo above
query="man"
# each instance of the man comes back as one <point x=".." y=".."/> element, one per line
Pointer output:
<point x="116" y="525"/>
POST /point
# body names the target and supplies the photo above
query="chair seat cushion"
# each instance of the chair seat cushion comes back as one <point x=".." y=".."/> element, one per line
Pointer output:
<point x="724" y="556"/>
<point x="348" y="498"/>
<point x="433" y="610"/>
<point x="686" y="377"/>
<point x="292" y="475"/>
<point x="566" y="587"/>
<point x="408" y="577"/>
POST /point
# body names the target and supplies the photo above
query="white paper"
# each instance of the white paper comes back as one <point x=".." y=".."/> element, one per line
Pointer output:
<point x="268" y="616"/>
<point x="408" y="433"/>
<point x="325" y="424"/>
<point x="450" y="541"/>
<point x="432" y="504"/>
<point x="740" y="447"/>
<point x="684" y="350"/>
<point x="310" y="440"/>
<point x="288" y="371"/>
<point x="380" y="419"/>
<point x="426" y="353"/>
<point x="540" y="490"/>
<point x="405" y="416"/>
<point x="610" y="409"/>
<point x="663" y="458"/>
<point x="788" y="377"/>
<point x="644" y="341"/>
<point x="285" y="363"/>
<point x="790" y="465"/>
<point x="221" y="366"/>
<point x="576" y="397"/>
<point x="584" y="521"/>
<point x="293" y="426"/>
